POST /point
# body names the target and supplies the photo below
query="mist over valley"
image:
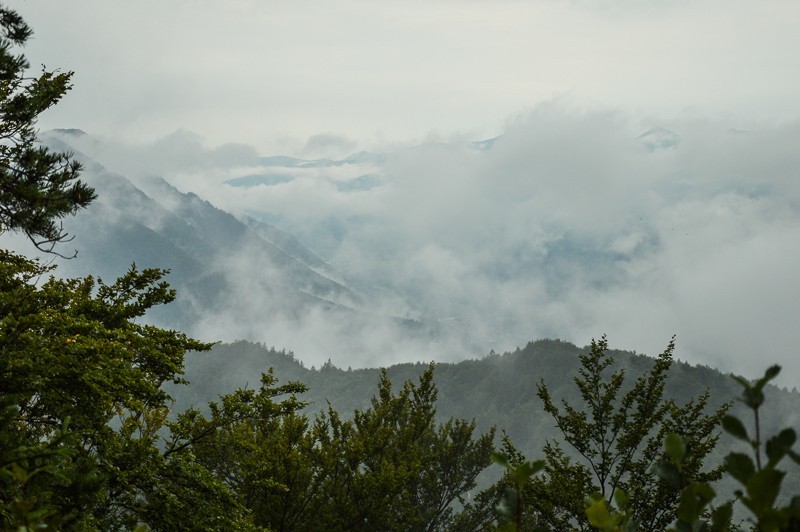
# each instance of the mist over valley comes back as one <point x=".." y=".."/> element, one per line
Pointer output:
<point x="568" y="225"/>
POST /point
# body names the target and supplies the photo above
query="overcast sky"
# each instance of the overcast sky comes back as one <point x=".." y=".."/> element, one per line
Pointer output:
<point x="696" y="237"/>
<point x="274" y="73"/>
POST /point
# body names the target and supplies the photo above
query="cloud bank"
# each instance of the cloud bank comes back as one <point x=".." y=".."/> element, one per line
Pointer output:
<point x="572" y="224"/>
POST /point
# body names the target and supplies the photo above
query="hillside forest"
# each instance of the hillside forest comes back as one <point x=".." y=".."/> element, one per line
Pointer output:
<point x="109" y="422"/>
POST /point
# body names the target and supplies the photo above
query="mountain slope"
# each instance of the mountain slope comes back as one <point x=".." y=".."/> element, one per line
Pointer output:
<point x="155" y="225"/>
<point x="497" y="390"/>
<point x="236" y="278"/>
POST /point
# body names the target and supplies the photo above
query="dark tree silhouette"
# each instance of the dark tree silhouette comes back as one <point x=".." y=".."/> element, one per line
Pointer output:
<point x="37" y="187"/>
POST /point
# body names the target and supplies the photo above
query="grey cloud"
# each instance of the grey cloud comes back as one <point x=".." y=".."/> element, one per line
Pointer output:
<point x="180" y="151"/>
<point x="567" y="226"/>
<point x="329" y="145"/>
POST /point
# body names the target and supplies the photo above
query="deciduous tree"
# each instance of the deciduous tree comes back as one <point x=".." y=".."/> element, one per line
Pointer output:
<point x="81" y="390"/>
<point x="616" y="436"/>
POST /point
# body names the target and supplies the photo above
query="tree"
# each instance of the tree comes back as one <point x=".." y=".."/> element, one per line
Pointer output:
<point x="257" y="443"/>
<point x="31" y="472"/>
<point x="392" y="467"/>
<point x="83" y="407"/>
<point x="761" y="480"/>
<point x="618" y="438"/>
<point x="37" y="187"/>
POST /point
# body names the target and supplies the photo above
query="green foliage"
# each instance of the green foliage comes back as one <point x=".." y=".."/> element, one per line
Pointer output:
<point x="618" y="437"/>
<point x="254" y="442"/>
<point x="694" y="496"/>
<point x="29" y="471"/>
<point x="600" y="517"/>
<point x="37" y="187"/>
<point x="509" y="509"/>
<point x="396" y="469"/>
<point x="761" y="482"/>
<point x="83" y="404"/>
<point x="391" y="467"/>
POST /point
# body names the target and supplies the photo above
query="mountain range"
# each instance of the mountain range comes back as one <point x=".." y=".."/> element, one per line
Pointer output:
<point x="496" y="390"/>
<point x="235" y="277"/>
<point x="445" y="250"/>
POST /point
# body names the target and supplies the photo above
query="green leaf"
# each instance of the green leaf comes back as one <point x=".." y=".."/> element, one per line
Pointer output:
<point x="689" y="508"/>
<point x="501" y="459"/>
<point x="753" y="397"/>
<point x="621" y="498"/>
<point x="735" y="427"/>
<point x="721" y="516"/>
<point x="794" y="507"/>
<point x="772" y="519"/>
<point x="763" y="488"/>
<point x="669" y="472"/>
<point x="779" y="445"/>
<point x="740" y="466"/>
<point x="525" y="470"/>
<point x="704" y="492"/>
<point x="771" y="373"/>
<point x="741" y="380"/>
<point x="675" y="447"/>
<point x="598" y="513"/>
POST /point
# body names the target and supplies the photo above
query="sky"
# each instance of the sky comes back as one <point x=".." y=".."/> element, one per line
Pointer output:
<point x="645" y="183"/>
<point x="274" y="74"/>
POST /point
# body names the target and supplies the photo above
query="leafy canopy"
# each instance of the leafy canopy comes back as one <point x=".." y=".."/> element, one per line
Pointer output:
<point x="82" y="395"/>
<point x="616" y="436"/>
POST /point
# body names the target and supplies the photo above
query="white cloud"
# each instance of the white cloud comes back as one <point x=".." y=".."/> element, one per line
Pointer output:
<point x="260" y="72"/>
<point x="330" y="145"/>
<point x="569" y="226"/>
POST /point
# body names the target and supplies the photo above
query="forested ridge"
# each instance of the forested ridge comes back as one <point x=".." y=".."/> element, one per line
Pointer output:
<point x="497" y="389"/>
<point x="110" y="423"/>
